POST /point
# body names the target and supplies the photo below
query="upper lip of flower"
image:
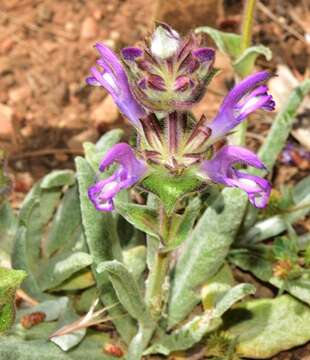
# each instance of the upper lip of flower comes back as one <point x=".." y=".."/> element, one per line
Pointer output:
<point x="249" y="95"/>
<point x="114" y="79"/>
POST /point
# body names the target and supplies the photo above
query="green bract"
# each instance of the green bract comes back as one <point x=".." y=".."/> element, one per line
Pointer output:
<point x="171" y="189"/>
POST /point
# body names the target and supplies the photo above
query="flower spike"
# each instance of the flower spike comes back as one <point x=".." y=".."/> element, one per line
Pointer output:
<point x="169" y="73"/>
<point x="220" y="169"/>
<point x="246" y="97"/>
<point x="114" y="79"/>
<point x="130" y="171"/>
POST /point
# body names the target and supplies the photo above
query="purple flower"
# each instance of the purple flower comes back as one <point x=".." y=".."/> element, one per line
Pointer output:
<point x="246" y="97"/>
<point x="220" y="169"/>
<point x="114" y="79"/>
<point x="130" y="171"/>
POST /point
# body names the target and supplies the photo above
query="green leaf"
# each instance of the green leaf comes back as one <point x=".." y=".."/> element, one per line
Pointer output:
<point x="58" y="178"/>
<point x="303" y="241"/>
<point x="99" y="227"/>
<point x="228" y="43"/>
<point x="94" y="153"/>
<point x="182" y="225"/>
<point x="61" y="267"/>
<point x="301" y="189"/>
<point x="126" y="288"/>
<point x="244" y="64"/>
<point x="80" y="280"/>
<point x="277" y="224"/>
<point x="135" y="261"/>
<point x="36" y="211"/>
<point x="153" y="242"/>
<point x="66" y="227"/>
<point x="103" y="243"/>
<point x="281" y="127"/>
<point x="140" y="216"/>
<point x="266" y="327"/>
<point x="131" y="298"/>
<point x="170" y="188"/>
<point x="193" y="331"/>
<point x="216" y="286"/>
<point x="8" y="227"/>
<point x="258" y="260"/>
<point x="10" y="280"/>
<point x="232" y="296"/>
<point x="204" y="252"/>
<point x="5" y="183"/>
<point x="31" y="344"/>
<point x="85" y="301"/>
<point x="68" y="341"/>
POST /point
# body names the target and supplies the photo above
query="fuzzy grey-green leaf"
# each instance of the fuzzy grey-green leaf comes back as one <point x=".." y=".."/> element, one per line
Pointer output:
<point x="58" y="178"/>
<point x="103" y="244"/>
<point x="281" y="127"/>
<point x="244" y="64"/>
<point x="126" y="288"/>
<point x="204" y="252"/>
<point x="61" y="267"/>
<point x="140" y="216"/>
<point x="266" y="327"/>
<point x="228" y="43"/>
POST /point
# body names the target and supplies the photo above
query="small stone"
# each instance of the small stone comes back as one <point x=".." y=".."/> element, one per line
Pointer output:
<point x="70" y="26"/>
<point x="19" y="94"/>
<point x="114" y="35"/>
<point x="50" y="46"/>
<point x="112" y="44"/>
<point x="61" y="157"/>
<point x="6" y="114"/>
<point x="89" y="28"/>
<point x="110" y="7"/>
<point x="23" y="182"/>
<point x="5" y="65"/>
<point x="44" y="14"/>
<point x="26" y="131"/>
<point x="7" y="45"/>
<point x="97" y="14"/>
<point x="76" y="142"/>
<point x="105" y="113"/>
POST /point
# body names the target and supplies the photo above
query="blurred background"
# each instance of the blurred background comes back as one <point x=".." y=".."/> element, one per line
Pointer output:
<point x="46" y="49"/>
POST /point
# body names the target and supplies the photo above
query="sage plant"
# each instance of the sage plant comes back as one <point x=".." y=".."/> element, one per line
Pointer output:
<point x="155" y="87"/>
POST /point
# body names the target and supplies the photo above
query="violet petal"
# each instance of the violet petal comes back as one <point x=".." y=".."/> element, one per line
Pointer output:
<point x="114" y="79"/>
<point x="246" y="97"/>
<point x="220" y="169"/>
<point x="130" y="171"/>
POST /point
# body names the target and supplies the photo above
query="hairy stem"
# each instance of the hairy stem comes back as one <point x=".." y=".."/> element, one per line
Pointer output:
<point x="155" y="291"/>
<point x="247" y="24"/>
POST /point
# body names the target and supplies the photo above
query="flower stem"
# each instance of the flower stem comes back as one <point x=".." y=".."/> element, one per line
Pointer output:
<point x="155" y="291"/>
<point x="246" y="39"/>
<point x="247" y="24"/>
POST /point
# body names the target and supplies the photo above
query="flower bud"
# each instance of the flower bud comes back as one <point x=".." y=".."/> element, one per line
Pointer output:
<point x="169" y="73"/>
